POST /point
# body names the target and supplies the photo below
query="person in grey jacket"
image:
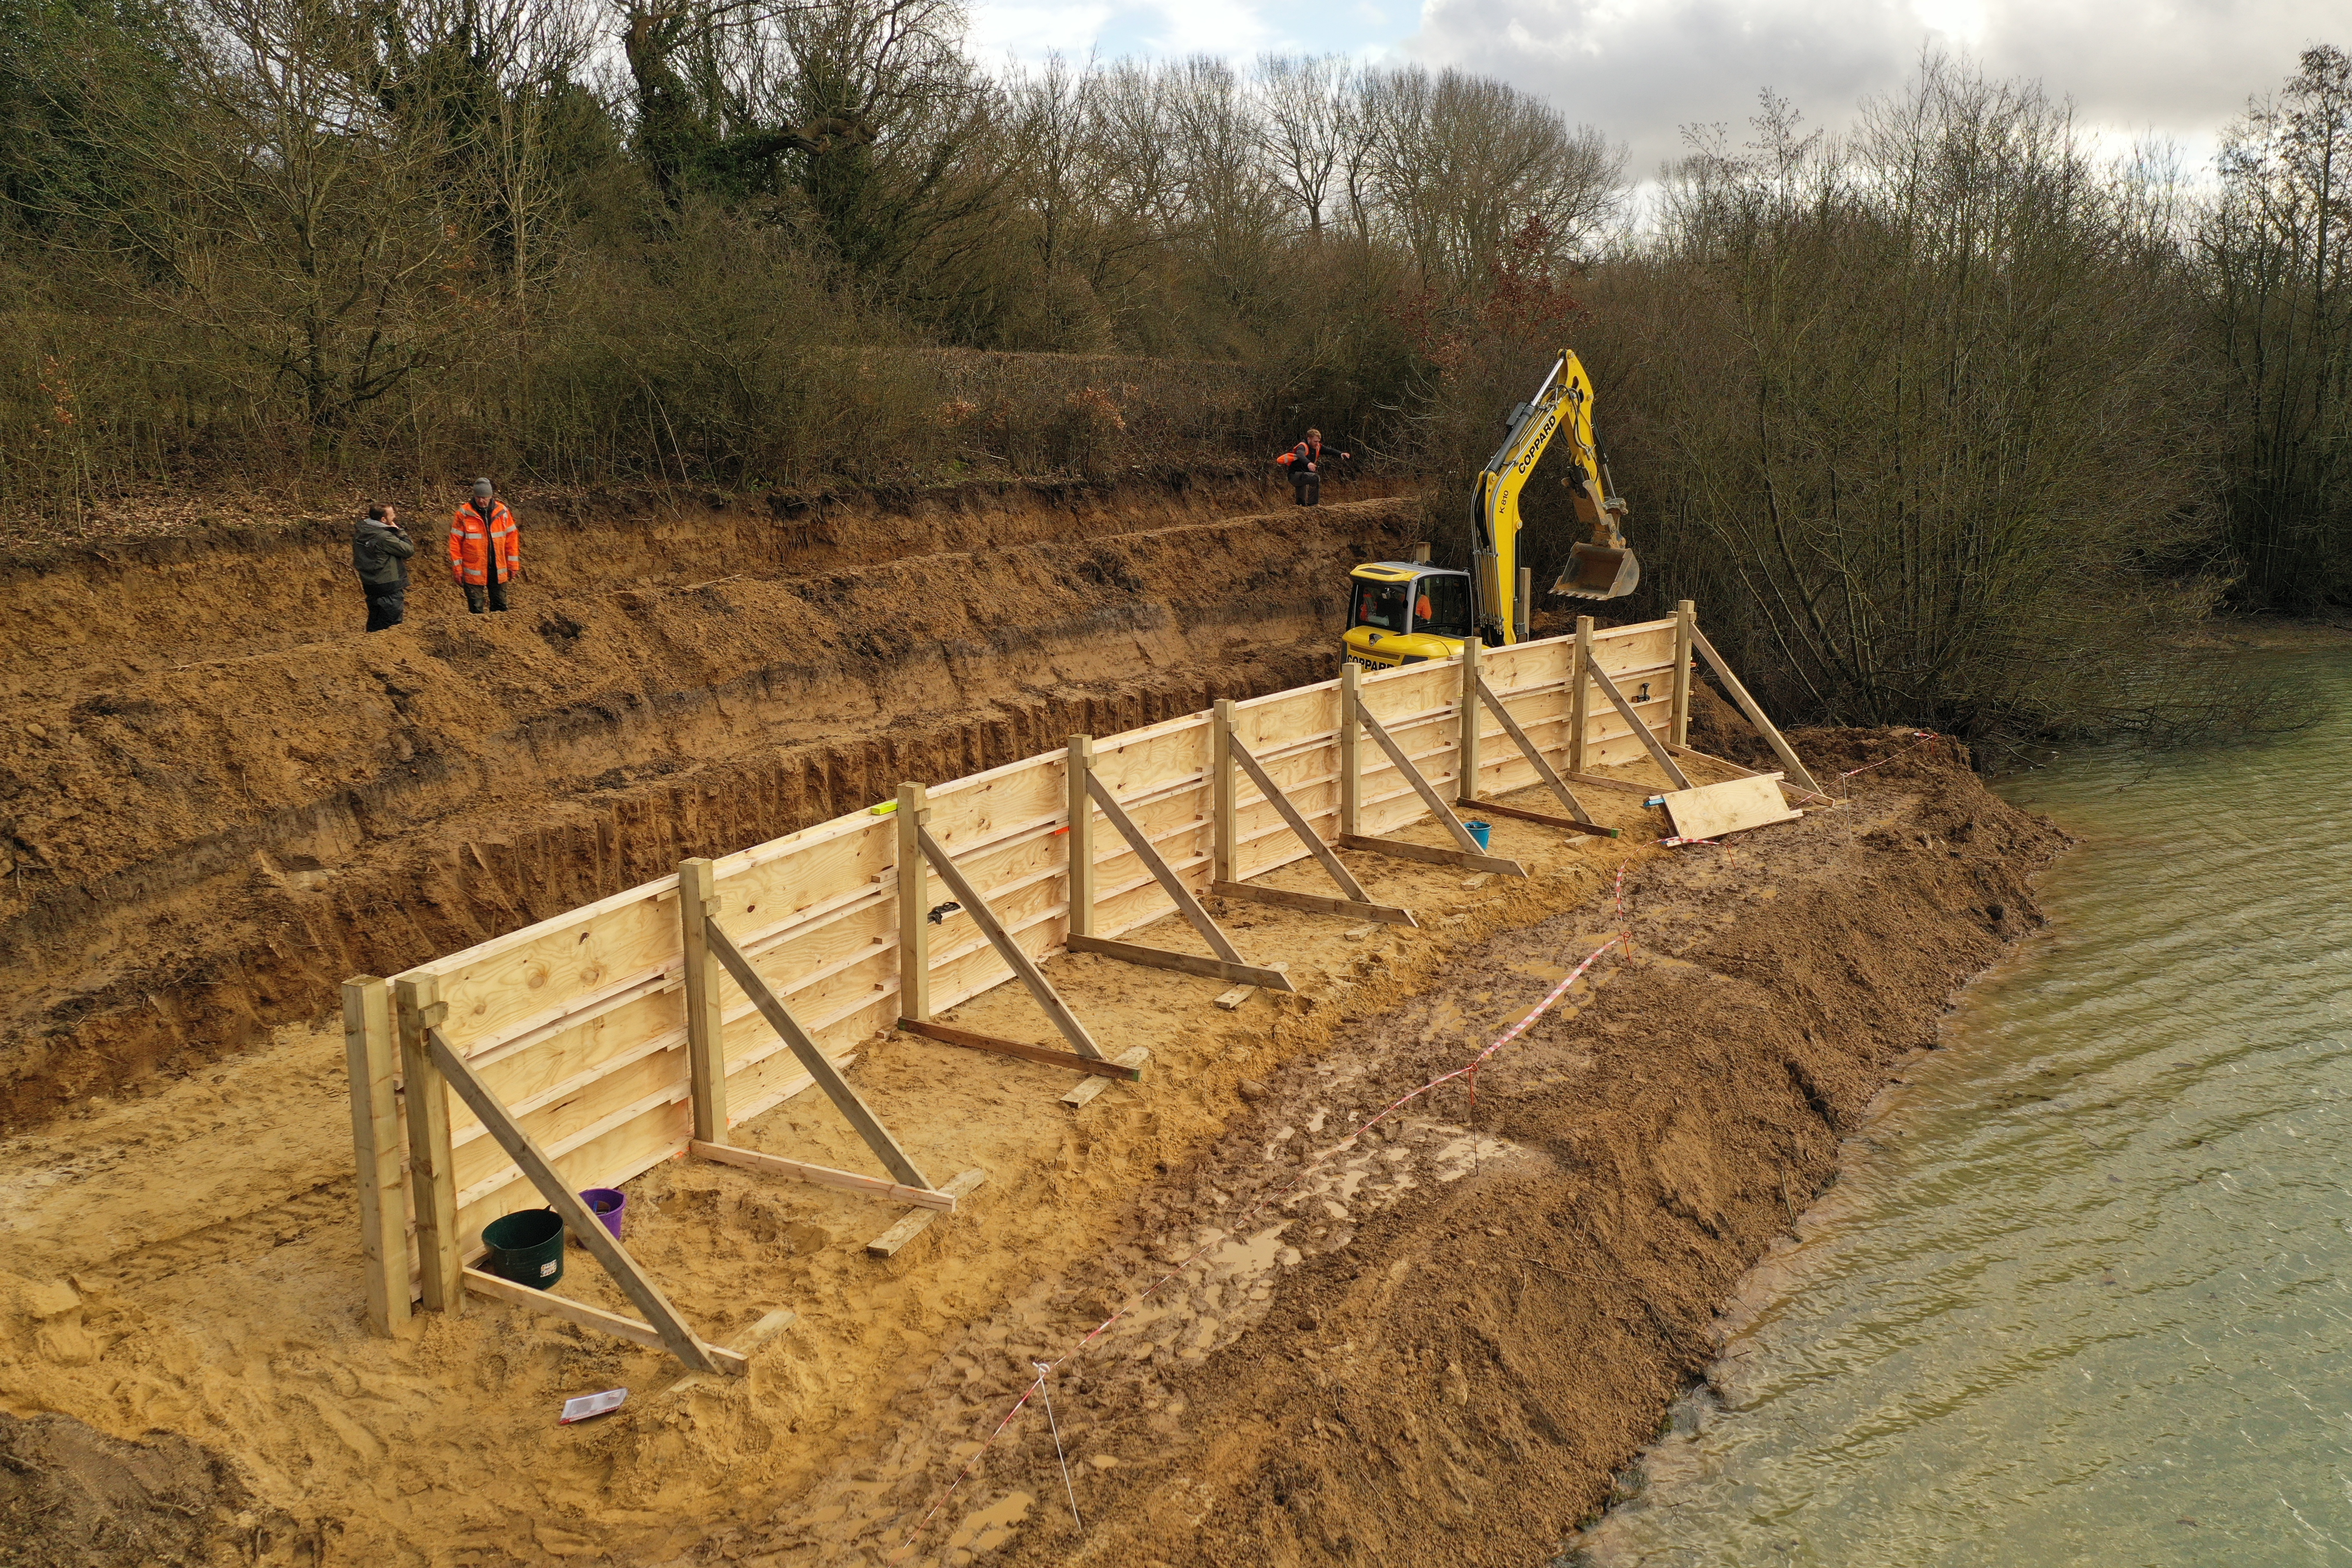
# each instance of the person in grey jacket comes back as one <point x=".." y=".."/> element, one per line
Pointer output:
<point x="380" y="552"/>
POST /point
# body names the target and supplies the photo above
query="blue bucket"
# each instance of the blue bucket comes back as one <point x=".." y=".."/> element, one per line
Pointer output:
<point x="1479" y="831"/>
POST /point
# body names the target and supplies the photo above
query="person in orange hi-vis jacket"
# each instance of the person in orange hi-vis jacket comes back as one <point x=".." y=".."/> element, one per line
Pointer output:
<point x="485" y="549"/>
<point x="1305" y="462"/>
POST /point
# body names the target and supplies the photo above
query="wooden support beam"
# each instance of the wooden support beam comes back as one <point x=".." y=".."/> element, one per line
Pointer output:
<point x="914" y="925"/>
<point x="1080" y="766"/>
<point x="1602" y="780"/>
<point x="586" y="1229"/>
<point x="1333" y="866"/>
<point x="432" y="1162"/>
<point x="1685" y="622"/>
<point x="371" y="1058"/>
<point x="971" y="1039"/>
<point x="1006" y="948"/>
<point x="1270" y="976"/>
<point x="1421" y="786"/>
<point x="890" y="1243"/>
<point x="814" y="1062"/>
<point x="1755" y="711"/>
<point x="1283" y="897"/>
<point x="1580" y="696"/>
<point x="1520" y="814"/>
<point x="705" y="1054"/>
<point x="822" y="1176"/>
<point x="1224" y="811"/>
<point x="1351" y="770"/>
<point x="485" y="1284"/>
<point x="1084" y="1094"/>
<point x="1467" y="725"/>
<point x="1536" y="759"/>
<point x="1735" y="769"/>
<point x="1397" y="849"/>
<point x="1658" y="753"/>
<point x="1162" y="873"/>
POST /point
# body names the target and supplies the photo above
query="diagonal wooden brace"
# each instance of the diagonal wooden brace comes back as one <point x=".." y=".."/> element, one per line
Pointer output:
<point x="1755" y="711"/>
<point x="1227" y="965"/>
<point x="813" y="1061"/>
<point x="1544" y="770"/>
<point x="1006" y="948"/>
<point x="1356" y="903"/>
<point x="586" y="1229"/>
<point x="1658" y="752"/>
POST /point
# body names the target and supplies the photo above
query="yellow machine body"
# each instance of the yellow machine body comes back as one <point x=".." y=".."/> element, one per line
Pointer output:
<point x="1405" y="612"/>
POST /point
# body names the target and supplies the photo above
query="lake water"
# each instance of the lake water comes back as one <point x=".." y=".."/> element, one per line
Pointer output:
<point x="2082" y="1295"/>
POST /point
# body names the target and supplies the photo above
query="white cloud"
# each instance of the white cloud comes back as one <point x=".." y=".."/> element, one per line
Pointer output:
<point x="1641" y="72"/>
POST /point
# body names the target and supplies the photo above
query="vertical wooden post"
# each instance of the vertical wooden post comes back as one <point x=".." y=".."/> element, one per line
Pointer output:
<point x="1473" y="719"/>
<point x="1351" y="729"/>
<point x="1421" y="553"/>
<point x="1082" y="836"/>
<point x="1525" y="621"/>
<point x="1580" y="702"/>
<point x="372" y="1054"/>
<point x="914" y="922"/>
<point x="705" y="1047"/>
<point x="1225" y="853"/>
<point x="432" y="1165"/>
<point x="1685" y="617"/>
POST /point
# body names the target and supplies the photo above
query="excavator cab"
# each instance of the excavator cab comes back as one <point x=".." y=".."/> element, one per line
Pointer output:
<point x="1405" y="612"/>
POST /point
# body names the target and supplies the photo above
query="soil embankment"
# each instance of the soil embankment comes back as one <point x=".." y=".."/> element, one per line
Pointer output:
<point x="216" y="799"/>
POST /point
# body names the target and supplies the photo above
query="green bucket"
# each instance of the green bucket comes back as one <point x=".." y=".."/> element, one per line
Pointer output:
<point x="526" y="1247"/>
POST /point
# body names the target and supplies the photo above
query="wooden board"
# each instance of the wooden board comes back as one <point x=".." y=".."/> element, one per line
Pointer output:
<point x="1713" y="810"/>
<point x="1084" y="1094"/>
<point x="917" y="1221"/>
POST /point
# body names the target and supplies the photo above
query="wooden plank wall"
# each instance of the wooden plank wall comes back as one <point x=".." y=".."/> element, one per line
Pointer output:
<point x="578" y="1024"/>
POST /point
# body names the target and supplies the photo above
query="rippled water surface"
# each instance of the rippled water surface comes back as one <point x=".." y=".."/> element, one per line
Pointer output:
<point x="2081" y="1296"/>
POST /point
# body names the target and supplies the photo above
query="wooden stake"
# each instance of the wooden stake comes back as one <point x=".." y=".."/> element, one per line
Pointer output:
<point x="814" y="1062"/>
<point x="1579" y="702"/>
<point x="914" y="922"/>
<point x="1351" y="770"/>
<point x="705" y="1054"/>
<point x="371" y="1054"/>
<point x="1081" y="766"/>
<point x="432" y="1165"/>
<point x="586" y="1229"/>
<point x="1755" y="711"/>
<point x="917" y="1221"/>
<point x="1227" y="818"/>
<point x="1469" y="723"/>
<point x="1007" y="949"/>
<point x="1685" y="621"/>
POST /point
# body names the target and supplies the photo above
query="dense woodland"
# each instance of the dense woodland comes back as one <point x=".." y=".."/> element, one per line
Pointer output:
<point x="1946" y="416"/>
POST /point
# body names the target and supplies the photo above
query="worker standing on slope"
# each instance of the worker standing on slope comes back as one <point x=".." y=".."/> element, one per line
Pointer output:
<point x="1305" y="462"/>
<point x="485" y="549"/>
<point x="380" y="552"/>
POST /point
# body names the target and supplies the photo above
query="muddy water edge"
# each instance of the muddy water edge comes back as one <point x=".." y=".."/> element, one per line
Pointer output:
<point x="2082" y="1296"/>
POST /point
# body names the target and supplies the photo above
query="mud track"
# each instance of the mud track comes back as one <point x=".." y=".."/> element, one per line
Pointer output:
<point x="217" y="799"/>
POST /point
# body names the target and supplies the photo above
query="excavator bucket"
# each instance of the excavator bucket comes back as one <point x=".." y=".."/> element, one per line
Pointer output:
<point x="1599" y="572"/>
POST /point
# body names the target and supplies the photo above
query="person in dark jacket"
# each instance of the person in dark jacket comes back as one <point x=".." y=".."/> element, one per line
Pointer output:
<point x="1305" y="462"/>
<point x="380" y="552"/>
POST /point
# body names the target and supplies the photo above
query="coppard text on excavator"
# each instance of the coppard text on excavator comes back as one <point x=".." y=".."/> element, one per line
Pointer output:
<point x="1404" y="612"/>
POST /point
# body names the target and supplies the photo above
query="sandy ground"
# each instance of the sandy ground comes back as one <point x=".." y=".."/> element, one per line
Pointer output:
<point x="181" y="1267"/>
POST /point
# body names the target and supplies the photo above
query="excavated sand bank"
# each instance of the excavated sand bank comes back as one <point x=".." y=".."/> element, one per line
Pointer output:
<point x="1436" y="1351"/>
<point x="216" y="801"/>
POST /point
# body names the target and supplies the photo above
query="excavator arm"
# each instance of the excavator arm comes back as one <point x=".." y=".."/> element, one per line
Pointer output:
<point x="1604" y="568"/>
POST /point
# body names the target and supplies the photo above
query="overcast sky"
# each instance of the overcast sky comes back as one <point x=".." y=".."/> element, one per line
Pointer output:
<point x="1642" y="69"/>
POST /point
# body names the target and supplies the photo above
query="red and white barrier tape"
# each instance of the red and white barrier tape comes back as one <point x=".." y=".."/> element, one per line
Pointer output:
<point x="1469" y="1069"/>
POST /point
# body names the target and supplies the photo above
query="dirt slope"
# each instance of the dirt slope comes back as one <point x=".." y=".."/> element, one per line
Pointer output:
<point x="217" y="799"/>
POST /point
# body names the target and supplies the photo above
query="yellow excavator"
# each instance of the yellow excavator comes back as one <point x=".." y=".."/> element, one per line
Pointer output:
<point x="1405" y="612"/>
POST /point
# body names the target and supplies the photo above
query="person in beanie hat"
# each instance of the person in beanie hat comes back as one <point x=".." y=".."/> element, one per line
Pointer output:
<point x="485" y="549"/>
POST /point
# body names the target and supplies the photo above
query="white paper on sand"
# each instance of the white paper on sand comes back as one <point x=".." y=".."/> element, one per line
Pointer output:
<point x="589" y="1405"/>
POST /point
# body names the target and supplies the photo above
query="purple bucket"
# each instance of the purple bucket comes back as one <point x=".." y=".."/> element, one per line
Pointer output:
<point x="609" y="1204"/>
